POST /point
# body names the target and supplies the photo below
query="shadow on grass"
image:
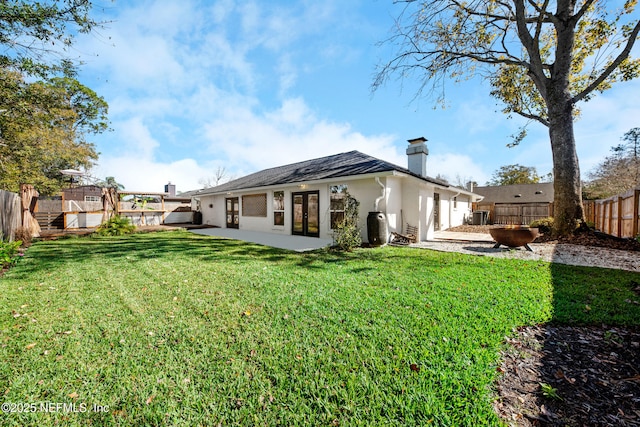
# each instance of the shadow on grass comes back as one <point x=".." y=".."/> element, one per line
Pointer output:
<point x="582" y="367"/>
<point x="49" y="255"/>
<point x="144" y="246"/>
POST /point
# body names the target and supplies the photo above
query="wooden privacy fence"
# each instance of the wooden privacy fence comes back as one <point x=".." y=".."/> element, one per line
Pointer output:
<point x="589" y="207"/>
<point x="515" y="213"/>
<point x="619" y="215"/>
<point x="10" y="214"/>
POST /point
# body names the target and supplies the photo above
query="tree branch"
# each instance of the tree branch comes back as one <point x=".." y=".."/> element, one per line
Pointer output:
<point x="532" y="117"/>
<point x="536" y="66"/>
<point x="584" y="9"/>
<point x="624" y="54"/>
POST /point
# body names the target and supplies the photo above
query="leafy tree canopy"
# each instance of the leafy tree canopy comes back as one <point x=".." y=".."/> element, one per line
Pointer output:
<point x="36" y="36"/>
<point x="514" y="174"/>
<point x="43" y="129"/>
<point x="541" y="59"/>
<point x="45" y="113"/>
<point x="110" y="182"/>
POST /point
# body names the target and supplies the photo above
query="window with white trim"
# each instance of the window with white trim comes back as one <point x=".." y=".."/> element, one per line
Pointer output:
<point x="337" y="194"/>
<point x="278" y="208"/>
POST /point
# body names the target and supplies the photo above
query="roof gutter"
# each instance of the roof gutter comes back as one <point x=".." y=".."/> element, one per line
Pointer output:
<point x="298" y="184"/>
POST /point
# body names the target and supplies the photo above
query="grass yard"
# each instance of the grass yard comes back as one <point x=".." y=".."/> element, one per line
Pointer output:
<point x="179" y="329"/>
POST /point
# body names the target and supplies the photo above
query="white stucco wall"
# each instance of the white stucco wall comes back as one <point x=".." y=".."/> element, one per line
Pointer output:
<point x="393" y="204"/>
<point x="460" y="211"/>
<point x="213" y="210"/>
<point x="410" y="206"/>
<point x="406" y="201"/>
<point x="444" y="210"/>
<point x="365" y="191"/>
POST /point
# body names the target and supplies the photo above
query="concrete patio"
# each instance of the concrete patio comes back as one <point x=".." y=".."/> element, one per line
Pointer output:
<point x="462" y="237"/>
<point x="282" y="241"/>
<point x="303" y="244"/>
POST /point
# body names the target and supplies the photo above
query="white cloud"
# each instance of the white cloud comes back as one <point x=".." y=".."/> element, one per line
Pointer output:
<point x="136" y="166"/>
<point x="243" y="142"/>
<point x="453" y="166"/>
<point x="140" y="174"/>
<point x="605" y="119"/>
<point x="141" y="144"/>
<point x="291" y="133"/>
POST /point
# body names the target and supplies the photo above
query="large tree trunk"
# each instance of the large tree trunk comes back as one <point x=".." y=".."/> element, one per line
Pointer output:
<point x="568" y="209"/>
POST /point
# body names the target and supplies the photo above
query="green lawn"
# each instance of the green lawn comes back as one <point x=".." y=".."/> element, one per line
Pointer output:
<point x="178" y="329"/>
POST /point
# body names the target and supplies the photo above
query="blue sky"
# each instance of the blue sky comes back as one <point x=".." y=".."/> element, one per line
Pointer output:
<point x="246" y="85"/>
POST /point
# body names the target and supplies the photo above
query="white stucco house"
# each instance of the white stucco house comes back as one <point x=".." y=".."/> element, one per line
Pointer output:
<point x="306" y="198"/>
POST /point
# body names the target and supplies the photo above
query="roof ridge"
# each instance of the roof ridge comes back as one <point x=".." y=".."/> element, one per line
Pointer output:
<point x="349" y="163"/>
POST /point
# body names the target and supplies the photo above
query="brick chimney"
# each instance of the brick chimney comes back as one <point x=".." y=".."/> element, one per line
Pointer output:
<point x="417" y="153"/>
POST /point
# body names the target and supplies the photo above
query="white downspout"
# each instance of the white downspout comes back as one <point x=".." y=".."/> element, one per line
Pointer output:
<point x="376" y="208"/>
<point x="382" y="196"/>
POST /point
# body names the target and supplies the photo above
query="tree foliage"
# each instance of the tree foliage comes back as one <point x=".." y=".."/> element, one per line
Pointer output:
<point x="541" y="59"/>
<point x="46" y="114"/>
<point x="110" y="182"/>
<point x="36" y="36"/>
<point x="43" y="129"/>
<point x="521" y="47"/>
<point x="347" y="231"/>
<point x="514" y="174"/>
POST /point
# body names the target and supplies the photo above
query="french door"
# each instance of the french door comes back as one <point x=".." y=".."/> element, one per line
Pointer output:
<point x="233" y="212"/>
<point x="306" y="213"/>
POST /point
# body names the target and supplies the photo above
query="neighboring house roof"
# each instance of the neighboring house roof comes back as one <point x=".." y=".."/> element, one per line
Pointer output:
<point x="517" y="193"/>
<point x="337" y="166"/>
<point x="178" y="198"/>
<point x="191" y="193"/>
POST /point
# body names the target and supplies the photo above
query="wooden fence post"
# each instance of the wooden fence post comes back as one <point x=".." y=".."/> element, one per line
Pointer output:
<point x="620" y="199"/>
<point x="611" y="213"/>
<point x="636" y="200"/>
<point x="29" y="223"/>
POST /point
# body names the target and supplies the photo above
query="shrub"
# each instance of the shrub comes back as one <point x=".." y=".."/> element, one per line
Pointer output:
<point x="347" y="232"/>
<point x="9" y="252"/>
<point x="116" y="226"/>
<point x="23" y="234"/>
<point x="544" y="225"/>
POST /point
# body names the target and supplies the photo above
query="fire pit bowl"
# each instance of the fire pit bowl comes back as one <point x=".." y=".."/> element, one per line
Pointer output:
<point x="514" y="237"/>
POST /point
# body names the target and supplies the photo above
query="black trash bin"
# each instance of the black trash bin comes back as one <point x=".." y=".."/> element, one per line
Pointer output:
<point x="197" y="218"/>
<point x="376" y="228"/>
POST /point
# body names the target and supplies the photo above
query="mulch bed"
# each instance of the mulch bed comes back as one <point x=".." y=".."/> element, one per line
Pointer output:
<point x="571" y="376"/>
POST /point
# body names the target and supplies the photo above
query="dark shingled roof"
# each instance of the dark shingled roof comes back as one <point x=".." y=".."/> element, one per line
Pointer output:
<point x="336" y="166"/>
